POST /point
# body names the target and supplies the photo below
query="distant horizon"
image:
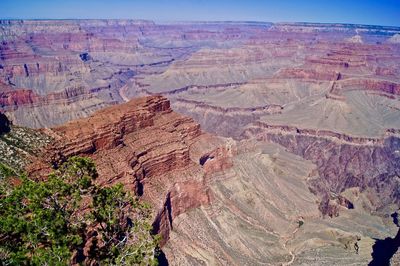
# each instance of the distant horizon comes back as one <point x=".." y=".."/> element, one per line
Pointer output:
<point x="203" y="21"/>
<point x="366" y="12"/>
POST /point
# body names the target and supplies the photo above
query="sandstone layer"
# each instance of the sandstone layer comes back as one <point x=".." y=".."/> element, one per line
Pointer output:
<point x="142" y="144"/>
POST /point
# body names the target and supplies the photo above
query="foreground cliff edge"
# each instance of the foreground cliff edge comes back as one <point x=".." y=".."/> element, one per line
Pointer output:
<point x="216" y="200"/>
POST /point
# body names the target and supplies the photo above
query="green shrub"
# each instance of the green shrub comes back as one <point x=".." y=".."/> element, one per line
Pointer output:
<point x="6" y="171"/>
<point x="50" y="222"/>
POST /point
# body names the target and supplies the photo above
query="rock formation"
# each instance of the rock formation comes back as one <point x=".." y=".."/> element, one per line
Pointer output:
<point x="142" y="144"/>
<point x="307" y="118"/>
<point x="190" y="178"/>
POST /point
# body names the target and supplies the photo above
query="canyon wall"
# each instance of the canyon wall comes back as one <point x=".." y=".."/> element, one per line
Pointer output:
<point x="142" y="144"/>
<point x="310" y="114"/>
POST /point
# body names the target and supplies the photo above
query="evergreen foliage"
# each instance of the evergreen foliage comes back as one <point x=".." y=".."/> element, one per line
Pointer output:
<point x="67" y="218"/>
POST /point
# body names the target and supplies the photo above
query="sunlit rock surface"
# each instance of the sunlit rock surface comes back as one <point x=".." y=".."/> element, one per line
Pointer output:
<point x="301" y="160"/>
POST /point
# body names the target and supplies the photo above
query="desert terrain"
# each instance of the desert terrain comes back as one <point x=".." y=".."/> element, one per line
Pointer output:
<point x="255" y="143"/>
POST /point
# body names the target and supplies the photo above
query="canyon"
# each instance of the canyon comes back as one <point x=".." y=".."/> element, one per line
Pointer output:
<point x="255" y="143"/>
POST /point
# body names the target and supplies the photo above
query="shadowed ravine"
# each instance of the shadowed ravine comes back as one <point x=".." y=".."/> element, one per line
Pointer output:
<point x="384" y="249"/>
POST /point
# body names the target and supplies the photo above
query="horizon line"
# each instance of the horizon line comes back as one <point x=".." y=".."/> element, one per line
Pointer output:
<point x="204" y="21"/>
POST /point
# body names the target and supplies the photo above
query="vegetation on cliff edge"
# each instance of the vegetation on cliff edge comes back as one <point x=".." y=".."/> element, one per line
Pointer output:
<point x="68" y="219"/>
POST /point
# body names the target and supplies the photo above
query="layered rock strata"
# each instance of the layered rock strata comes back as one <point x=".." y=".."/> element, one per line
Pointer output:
<point x="142" y="144"/>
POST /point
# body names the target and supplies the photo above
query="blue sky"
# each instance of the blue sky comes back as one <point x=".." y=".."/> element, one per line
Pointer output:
<point x="378" y="12"/>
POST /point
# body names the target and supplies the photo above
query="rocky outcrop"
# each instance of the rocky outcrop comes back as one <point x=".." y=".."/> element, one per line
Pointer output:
<point x="380" y="86"/>
<point x="304" y="73"/>
<point x="142" y="144"/>
<point x="181" y="198"/>
<point x="219" y="159"/>
<point x="13" y="99"/>
<point x="367" y="164"/>
<point x="19" y="146"/>
<point x="106" y="129"/>
<point x="269" y="109"/>
<point x="331" y="206"/>
<point x="327" y="134"/>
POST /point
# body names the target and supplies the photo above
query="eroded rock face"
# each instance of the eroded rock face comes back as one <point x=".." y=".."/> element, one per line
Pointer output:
<point x="106" y="129"/>
<point x="40" y="61"/>
<point x="373" y="167"/>
<point x="104" y="62"/>
<point x="233" y="201"/>
<point x="181" y="198"/>
<point x="326" y="94"/>
<point x="262" y="212"/>
<point x="142" y="144"/>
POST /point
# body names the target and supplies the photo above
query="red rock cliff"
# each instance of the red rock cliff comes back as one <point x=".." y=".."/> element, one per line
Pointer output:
<point x="145" y="146"/>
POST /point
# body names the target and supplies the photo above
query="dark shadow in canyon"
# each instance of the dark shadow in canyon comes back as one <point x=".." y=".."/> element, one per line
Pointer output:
<point x="162" y="259"/>
<point x="4" y="124"/>
<point x="384" y="249"/>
